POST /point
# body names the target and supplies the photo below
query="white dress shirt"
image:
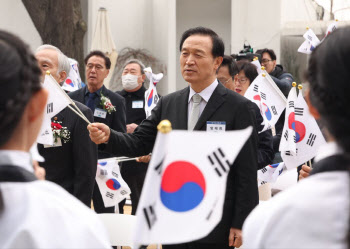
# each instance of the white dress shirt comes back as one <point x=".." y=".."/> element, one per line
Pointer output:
<point x="41" y="214"/>
<point x="312" y="214"/>
<point x="205" y="94"/>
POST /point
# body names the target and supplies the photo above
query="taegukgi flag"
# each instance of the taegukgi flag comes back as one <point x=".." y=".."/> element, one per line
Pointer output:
<point x="270" y="173"/>
<point x="112" y="186"/>
<point x="264" y="92"/>
<point x="184" y="190"/>
<point x="56" y="102"/>
<point x="151" y="95"/>
<point x="73" y="81"/>
<point x="288" y="143"/>
<point x="303" y="146"/>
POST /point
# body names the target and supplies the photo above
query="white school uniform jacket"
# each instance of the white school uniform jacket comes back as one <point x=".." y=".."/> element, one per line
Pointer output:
<point x="312" y="214"/>
<point x="41" y="214"/>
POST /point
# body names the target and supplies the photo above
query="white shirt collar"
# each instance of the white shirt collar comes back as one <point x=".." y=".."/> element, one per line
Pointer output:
<point x="327" y="150"/>
<point x="206" y="93"/>
<point x="17" y="158"/>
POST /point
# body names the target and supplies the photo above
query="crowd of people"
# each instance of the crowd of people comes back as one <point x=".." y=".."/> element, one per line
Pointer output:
<point x="313" y="214"/>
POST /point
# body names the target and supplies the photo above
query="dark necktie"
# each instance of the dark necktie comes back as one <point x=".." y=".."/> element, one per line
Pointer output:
<point x="91" y="101"/>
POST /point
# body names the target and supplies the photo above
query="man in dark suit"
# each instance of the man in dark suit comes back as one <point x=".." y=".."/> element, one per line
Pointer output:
<point x="70" y="164"/>
<point x="202" y="51"/>
<point x="92" y="95"/>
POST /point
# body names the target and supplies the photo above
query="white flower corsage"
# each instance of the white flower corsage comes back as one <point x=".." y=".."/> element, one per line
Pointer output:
<point x="58" y="131"/>
<point x="107" y="104"/>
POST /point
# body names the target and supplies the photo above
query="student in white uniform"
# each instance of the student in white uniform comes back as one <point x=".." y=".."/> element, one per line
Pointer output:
<point x="33" y="213"/>
<point x="315" y="212"/>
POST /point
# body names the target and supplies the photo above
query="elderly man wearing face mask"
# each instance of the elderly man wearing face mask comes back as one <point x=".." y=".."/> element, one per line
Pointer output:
<point x="107" y="107"/>
<point x="133" y="92"/>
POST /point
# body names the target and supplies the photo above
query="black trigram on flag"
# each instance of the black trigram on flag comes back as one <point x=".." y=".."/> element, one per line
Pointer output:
<point x="295" y="139"/>
<point x="159" y="167"/>
<point x="103" y="172"/>
<point x="150" y="216"/>
<point x="311" y="139"/>
<point x="263" y="182"/>
<point x="115" y="174"/>
<point x="286" y="135"/>
<point x="291" y="104"/>
<point x="274" y="111"/>
<point x="288" y="153"/>
<point x="256" y="88"/>
<point x="49" y="108"/>
<point x="309" y="37"/>
<point x="263" y="96"/>
<point x="123" y="192"/>
<point x="219" y="162"/>
<point x="299" y="111"/>
<point x="263" y="170"/>
<point x="109" y="195"/>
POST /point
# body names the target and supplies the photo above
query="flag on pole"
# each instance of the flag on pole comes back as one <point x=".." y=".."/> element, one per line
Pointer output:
<point x="306" y="47"/>
<point x="110" y="182"/>
<point x="311" y="37"/>
<point x="301" y="136"/>
<point x="73" y="81"/>
<point x="264" y="92"/>
<point x="331" y="27"/>
<point x="256" y="63"/>
<point x="151" y="95"/>
<point x="184" y="190"/>
<point x="270" y="173"/>
<point x="56" y="102"/>
<point x="290" y="126"/>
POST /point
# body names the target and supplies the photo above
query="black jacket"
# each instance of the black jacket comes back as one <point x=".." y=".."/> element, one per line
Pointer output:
<point x="115" y="120"/>
<point x="224" y="105"/>
<point x="73" y="165"/>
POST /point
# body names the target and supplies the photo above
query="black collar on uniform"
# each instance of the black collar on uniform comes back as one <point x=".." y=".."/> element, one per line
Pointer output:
<point x="138" y="93"/>
<point x="339" y="162"/>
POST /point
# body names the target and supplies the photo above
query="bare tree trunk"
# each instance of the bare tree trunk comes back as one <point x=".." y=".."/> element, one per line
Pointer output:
<point x="60" y="23"/>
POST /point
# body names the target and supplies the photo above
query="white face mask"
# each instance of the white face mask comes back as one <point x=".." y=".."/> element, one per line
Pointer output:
<point x="129" y="81"/>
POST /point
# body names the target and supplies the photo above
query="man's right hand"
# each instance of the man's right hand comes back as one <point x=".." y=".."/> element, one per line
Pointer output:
<point x="304" y="172"/>
<point x="99" y="133"/>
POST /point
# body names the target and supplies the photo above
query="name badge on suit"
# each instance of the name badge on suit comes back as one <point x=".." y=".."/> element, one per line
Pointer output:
<point x="100" y="113"/>
<point x="216" y="126"/>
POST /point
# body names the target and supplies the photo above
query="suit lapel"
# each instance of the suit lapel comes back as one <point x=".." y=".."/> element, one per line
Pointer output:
<point x="81" y="95"/>
<point x="215" y="101"/>
<point x="182" y="110"/>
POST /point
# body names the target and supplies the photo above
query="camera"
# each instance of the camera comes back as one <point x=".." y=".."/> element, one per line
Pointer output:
<point x="246" y="54"/>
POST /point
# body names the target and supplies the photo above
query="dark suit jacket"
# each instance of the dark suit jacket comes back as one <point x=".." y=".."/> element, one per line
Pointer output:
<point x="224" y="105"/>
<point x="73" y="165"/>
<point x="116" y="120"/>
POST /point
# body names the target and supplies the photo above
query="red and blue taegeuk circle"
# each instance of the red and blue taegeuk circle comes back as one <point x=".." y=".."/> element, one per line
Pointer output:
<point x="113" y="184"/>
<point x="267" y="109"/>
<point x="183" y="186"/>
<point x="297" y="126"/>
<point x="150" y="98"/>
<point x="69" y="82"/>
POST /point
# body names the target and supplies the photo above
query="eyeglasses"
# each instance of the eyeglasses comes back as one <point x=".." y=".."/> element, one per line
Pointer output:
<point x="97" y="67"/>
<point x="242" y="80"/>
<point x="224" y="81"/>
<point x="265" y="61"/>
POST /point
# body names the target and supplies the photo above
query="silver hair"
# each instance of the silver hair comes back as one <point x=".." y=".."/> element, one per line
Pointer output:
<point x="63" y="62"/>
<point x="142" y="66"/>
